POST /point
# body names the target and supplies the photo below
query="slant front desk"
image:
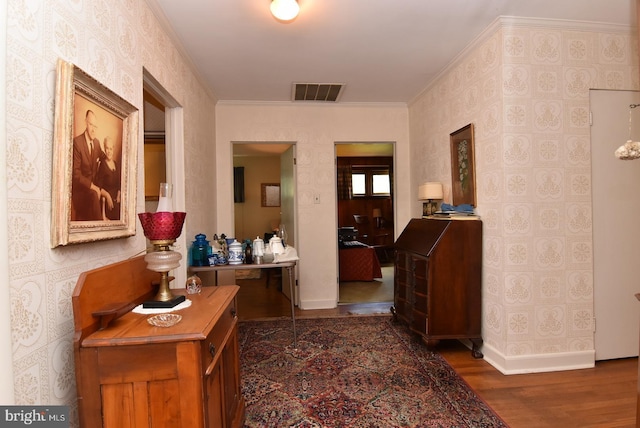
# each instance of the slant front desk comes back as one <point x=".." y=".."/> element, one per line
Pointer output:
<point x="289" y="265"/>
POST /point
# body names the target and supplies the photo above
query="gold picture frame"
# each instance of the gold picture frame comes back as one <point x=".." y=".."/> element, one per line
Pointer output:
<point x="463" y="175"/>
<point x="270" y="194"/>
<point x="94" y="129"/>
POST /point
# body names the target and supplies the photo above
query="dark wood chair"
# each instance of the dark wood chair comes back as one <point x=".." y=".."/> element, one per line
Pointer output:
<point x="363" y="226"/>
<point x="377" y="241"/>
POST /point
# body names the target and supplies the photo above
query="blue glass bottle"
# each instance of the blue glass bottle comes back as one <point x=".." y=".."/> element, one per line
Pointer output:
<point x="200" y="250"/>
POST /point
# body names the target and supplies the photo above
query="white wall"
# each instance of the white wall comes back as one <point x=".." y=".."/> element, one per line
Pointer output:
<point x="315" y="129"/>
<point x="525" y="85"/>
<point x="112" y="41"/>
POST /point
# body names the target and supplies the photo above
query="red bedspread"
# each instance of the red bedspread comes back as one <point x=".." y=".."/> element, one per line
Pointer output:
<point x="359" y="264"/>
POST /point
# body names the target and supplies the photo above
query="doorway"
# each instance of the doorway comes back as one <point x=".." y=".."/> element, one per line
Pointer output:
<point x="616" y="234"/>
<point x="259" y="169"/>
<point x="164" y="153"/>
<point x="365" y="218"/>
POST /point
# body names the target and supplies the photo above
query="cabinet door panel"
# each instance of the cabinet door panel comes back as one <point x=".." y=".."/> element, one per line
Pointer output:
<point x="213" y="396"/>
<point x="420" y="267"/>
<point x="402" y="308"/>
<point x="118" y="409"/>
<point x="419" y="322"/>
<point x="231" y="374"/>
<point x="401" y="280"/>
<point x="420" y="303"/>
<point x="164" y="404"/>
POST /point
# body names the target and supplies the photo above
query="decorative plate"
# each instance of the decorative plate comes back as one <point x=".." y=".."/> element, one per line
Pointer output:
<point x="164" y="320"/>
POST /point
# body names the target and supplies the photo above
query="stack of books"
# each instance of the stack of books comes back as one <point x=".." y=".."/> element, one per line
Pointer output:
<point x="454" y="215"/>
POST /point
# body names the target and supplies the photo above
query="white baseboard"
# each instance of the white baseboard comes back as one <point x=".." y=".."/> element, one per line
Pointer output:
<point x="317" y="304"/>
<point x="537" y="363"/>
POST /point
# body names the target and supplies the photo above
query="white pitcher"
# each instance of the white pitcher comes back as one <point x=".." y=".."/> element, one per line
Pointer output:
<point x="276" y="247"/>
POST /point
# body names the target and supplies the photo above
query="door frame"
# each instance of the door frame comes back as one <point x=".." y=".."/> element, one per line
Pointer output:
<point x="366" y="149"/>
<point x="292" y="229"/>
<point x="174" y="155"/>
<point x="616" y="324"/>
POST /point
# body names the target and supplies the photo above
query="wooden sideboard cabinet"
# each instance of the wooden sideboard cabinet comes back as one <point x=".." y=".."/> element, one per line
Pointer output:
<point x="130" y="374"/>
<point x="438" y="280"/>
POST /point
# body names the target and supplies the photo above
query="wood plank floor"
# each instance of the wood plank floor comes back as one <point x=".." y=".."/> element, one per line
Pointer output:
<point x="602" y="397"/>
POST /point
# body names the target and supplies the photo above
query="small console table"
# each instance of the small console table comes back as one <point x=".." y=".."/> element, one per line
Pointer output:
<point x="289" y="265"/>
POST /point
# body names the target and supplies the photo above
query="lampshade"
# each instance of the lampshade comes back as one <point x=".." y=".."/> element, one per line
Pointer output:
<point x="430" y="190"/>
<point x="377" y="213"/>
<point x="284" y="10"/>
<point x="162" y="225"/>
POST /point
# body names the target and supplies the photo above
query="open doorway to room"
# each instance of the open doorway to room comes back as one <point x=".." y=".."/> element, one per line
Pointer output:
<point x="264" y="202"/>
<point x="365" y="216"/>
<point x="163" y="153"/>
<point x="155" y="164"/>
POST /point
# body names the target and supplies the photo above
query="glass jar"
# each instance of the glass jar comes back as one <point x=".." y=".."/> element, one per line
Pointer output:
<point x="200" y="250"/>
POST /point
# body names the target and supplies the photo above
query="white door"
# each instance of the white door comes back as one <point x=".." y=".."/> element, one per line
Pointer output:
<point x="616" y="225"/>
<point x="288" y="210"/>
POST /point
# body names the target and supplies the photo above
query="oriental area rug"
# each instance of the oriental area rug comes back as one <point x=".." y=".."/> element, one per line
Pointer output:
<point x="358" y="371"/>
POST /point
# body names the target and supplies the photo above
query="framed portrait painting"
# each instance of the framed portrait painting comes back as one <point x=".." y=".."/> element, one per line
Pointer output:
<point x="463" y="174"/>
<point x="94" y="161"/>
<point x="270" y="194"/>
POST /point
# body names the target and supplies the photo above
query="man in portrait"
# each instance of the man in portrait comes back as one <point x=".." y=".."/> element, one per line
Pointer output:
<point x="87" y="154"/>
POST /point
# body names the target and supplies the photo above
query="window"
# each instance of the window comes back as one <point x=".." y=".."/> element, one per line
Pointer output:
<point x="370" y="181"/>
<point x="381" y="185"/>
<point x="358" y="184"/>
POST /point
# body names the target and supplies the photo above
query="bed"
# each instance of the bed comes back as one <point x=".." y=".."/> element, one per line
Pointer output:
<point x="358" y="262"/>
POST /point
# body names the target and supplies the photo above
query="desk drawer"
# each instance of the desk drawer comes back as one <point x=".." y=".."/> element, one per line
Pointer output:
<point x="214" y="342"/>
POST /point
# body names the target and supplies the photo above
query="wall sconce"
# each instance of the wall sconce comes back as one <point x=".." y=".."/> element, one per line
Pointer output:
<point x="429" y="192"/>
<point x="284" y="10"/>
<point x="377" y="214"/>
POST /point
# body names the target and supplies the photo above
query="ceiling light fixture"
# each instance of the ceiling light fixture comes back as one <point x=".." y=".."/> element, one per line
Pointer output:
<point x="284" y="10"/>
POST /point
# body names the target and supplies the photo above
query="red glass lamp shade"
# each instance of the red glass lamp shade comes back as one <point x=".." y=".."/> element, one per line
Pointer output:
<point x="162" y="226"/>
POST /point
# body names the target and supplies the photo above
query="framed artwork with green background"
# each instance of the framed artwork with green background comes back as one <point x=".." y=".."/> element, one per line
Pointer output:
<point x="463" y="175"/>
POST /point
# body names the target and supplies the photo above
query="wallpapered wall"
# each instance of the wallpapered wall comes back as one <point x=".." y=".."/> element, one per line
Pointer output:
<point x="525" y="85"/>
<point x="112" y="41"/>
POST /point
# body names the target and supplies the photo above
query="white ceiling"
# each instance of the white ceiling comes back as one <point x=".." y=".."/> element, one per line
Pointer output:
<point x="382" y="50"/>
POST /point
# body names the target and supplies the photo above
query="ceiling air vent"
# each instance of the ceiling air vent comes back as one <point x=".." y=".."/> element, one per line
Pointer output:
<point x="317" y="91"/>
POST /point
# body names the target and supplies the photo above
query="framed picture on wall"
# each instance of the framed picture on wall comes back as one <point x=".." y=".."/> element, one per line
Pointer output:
<point x="463" y="176"/>
<point x="94" y="161"/>
<point x="270" y="194"/>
